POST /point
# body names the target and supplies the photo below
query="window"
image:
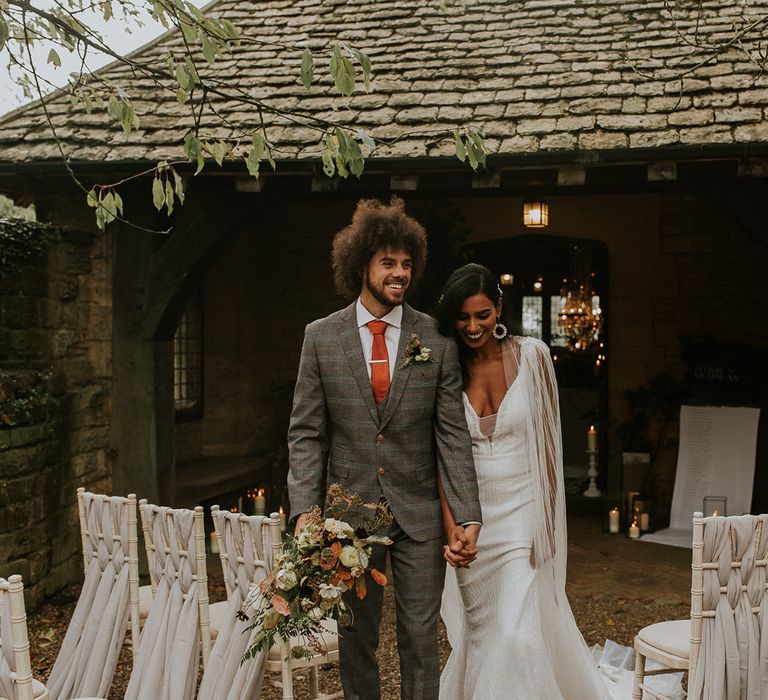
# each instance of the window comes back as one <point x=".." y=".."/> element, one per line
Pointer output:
<point x="533" y="322"/>
<point x="557" y="337"/>
<point x="187" y="361"/>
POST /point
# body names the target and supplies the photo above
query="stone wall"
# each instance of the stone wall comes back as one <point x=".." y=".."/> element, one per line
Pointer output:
<point x="55" y="319"/>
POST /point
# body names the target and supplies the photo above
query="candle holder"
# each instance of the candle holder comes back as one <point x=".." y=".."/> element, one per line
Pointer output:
<point x="715" y="505"/>
<point x="643" y="510"/>
<point x="592" y="490"/>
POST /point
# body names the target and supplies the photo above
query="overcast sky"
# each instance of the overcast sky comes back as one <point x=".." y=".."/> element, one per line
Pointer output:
<point x="115" y="35"/>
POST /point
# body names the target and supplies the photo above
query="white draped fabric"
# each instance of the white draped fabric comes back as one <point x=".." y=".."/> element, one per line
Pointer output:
<point x="248" y="561"/>
<point x="510" y="624"/>
<point x="86" y="662"/>
<point x="167" y="663"/>
<point x="733" y="660"/>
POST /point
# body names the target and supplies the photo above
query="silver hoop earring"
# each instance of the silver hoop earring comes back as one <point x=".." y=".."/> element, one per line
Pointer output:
<point x="500" y="330"/>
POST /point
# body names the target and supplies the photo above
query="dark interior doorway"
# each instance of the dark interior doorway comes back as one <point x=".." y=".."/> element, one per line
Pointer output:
<point x="534" y="270"/>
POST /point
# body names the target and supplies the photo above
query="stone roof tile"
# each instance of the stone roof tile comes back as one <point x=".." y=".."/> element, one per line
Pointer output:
<point x="535" y="75"/>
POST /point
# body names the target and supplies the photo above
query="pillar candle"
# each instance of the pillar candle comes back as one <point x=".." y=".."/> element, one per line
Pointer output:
<point x="613" y="520"/>
<point x="214" y="543"/>
<point x="259" y="503"/>
<point x="592" y="438"/>
<point x="634" y="530"/>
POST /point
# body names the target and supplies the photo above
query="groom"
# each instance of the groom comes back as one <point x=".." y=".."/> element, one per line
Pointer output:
<point x="371" y="415"/>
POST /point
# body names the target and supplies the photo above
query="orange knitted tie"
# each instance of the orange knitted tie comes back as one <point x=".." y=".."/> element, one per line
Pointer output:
<point x="379" y="360"/>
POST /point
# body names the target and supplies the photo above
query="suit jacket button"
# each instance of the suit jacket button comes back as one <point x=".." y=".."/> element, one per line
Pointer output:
<point x="379" y="437"/>
<point x="381" y="470"/>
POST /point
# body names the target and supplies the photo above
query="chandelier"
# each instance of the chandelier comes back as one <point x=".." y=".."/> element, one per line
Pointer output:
<point x="580" y="321"/>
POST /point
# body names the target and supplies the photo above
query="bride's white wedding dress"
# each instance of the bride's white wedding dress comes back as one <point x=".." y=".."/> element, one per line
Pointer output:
<point x="510" y="626"/>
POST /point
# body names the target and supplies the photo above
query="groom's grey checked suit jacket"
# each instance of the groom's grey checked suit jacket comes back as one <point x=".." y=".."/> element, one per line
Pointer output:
<point x="395" y="449"/>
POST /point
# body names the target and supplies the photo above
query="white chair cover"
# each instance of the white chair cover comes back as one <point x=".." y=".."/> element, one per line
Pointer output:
<point x="88" y="656"/>
<point x="169" y="652"/>
<point x="247" y="544"/>
<point x="732" y="661"/>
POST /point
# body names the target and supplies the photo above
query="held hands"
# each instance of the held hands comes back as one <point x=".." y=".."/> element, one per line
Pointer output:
<point x="301" y="521"/>
<point x="461" y="549"/>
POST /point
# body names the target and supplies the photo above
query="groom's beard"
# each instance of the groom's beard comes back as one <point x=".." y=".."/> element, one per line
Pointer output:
<point x="380" y="296"/>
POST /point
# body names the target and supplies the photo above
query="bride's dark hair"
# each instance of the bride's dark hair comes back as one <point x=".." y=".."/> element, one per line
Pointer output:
<point x="463" y="283"/>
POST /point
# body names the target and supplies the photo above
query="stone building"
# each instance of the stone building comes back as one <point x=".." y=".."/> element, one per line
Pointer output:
<point x="651" y="159"/>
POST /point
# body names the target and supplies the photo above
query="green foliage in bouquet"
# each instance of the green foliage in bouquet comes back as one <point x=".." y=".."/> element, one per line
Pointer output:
<point x="327" y="558"/>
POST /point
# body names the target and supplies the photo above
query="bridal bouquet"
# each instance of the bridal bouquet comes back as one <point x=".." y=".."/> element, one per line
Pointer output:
<point x="324" y="560"/>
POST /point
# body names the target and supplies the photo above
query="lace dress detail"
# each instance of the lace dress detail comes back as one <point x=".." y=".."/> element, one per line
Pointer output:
<point x="510" y="626"/>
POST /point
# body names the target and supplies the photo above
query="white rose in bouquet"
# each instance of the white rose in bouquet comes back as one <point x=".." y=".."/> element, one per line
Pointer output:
<point x="350" y="556"/>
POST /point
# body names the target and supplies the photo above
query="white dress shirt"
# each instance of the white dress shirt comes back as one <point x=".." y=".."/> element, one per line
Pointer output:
<point x="391" y="336"/>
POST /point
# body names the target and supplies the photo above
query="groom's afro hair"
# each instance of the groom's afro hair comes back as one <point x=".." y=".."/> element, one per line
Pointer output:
<point x="376" y="225"/>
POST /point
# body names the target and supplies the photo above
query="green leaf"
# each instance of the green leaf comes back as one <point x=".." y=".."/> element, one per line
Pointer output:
<point x="106" y="9"/>
<point x="342" y="72"/>
<point x="4" y="33"/>
<point x="327" y="157"/>
<point x="252" y="162"/>
<point x="194" y="150"/>
<point x="108" y="204"/>
<point x="461" y="150"/>
<point x="189" y="32"/>
<point x="182" y="76"/>
<point x="366" y="138"/>
<point x="158" y="193"/>
<point x="209" y="49"/>
<point x="118" y="203"/>
<point x="114" y="108"/>
<point x="230" y="29"/>
<point x="365" y="64"/>
<point x="192" y="70"/>
<point x="53" y="57"/>
<point x="307" y="68"/>
<point x="169" y="195"/>
<point x="218" y="150"/>
<point x="259" y="145"/>
<point x="472" y="156"/>
<point x="178" y="186"/>
<point x="92" y="198"/>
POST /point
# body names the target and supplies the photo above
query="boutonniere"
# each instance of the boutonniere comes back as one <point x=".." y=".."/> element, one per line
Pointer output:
<point x="415" y="352"/>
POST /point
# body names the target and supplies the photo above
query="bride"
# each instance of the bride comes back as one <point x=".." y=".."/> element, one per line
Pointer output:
<point x="509" y="623"/>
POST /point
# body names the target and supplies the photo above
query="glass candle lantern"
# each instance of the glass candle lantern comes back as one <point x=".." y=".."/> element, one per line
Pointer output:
<point x="715" y="505"/>
<point x="642" y="510"/>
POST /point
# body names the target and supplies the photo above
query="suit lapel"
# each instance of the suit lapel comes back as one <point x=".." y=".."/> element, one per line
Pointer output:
<point x="400" y="377"/>
<point x="353" y="350"/>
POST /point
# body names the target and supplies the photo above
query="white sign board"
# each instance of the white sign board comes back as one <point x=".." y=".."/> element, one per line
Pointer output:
<point x="716" y="458"/>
